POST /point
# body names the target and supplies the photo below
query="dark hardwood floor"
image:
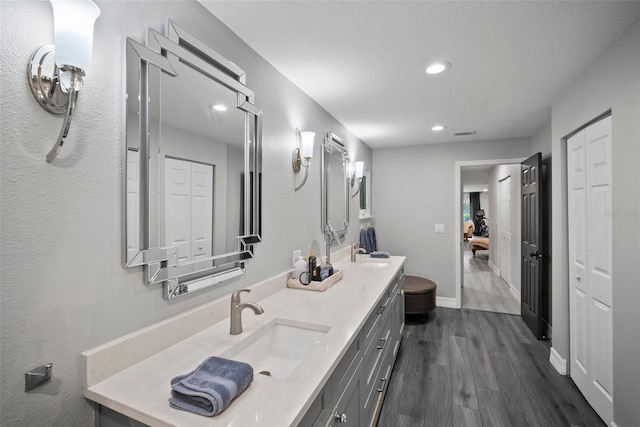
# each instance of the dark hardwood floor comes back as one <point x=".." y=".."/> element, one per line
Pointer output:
<point x="476" y="368"/>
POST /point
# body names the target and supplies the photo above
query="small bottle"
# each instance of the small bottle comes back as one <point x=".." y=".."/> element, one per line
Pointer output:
<point x="312" y="265"/>
<point x="325" y="269"/>
<point x="299" y="267"/>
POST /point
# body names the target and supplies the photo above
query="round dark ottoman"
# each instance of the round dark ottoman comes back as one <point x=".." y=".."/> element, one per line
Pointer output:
<point x="419" y="295"/>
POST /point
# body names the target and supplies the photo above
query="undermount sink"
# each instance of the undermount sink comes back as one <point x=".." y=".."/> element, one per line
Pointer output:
<point x="369" y="261"/>
<point x="374" y="264"/>
<point x="278" y="347"/>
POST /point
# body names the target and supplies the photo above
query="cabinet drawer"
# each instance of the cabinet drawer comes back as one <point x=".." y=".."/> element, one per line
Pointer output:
<point x="372" y="325"/>
<point x="344" y="370"/>
<point x="375" y="352"/>
<point x="378" y="385"/>
<point x="398" y="283"/>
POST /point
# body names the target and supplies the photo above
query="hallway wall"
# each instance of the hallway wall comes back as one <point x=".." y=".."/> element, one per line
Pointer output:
<point x="417" y="185"/>
<point x="612" y="82"/>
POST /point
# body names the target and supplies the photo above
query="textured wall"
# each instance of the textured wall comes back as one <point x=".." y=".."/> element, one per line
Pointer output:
<point x="417" y="185"/>
<point x="612" y="82"/>
<point x="64" y="290"/>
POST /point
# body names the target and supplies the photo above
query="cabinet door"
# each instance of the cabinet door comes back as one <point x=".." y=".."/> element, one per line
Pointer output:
<point x="349" y="409"/>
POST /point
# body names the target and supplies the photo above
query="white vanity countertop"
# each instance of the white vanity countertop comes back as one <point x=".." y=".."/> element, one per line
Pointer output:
<point x="142" y="391"/>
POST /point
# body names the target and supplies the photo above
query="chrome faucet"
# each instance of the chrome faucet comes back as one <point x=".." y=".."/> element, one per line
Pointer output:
<point x="236" y="311"/>
<point x="356" y="249"/>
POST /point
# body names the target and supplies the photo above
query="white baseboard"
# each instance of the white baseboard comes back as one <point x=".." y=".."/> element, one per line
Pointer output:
<point x="446" y="302"/>
<point x="515" y="292"/>
<point x="558" y="362"/>
<point x="494" y="268"/>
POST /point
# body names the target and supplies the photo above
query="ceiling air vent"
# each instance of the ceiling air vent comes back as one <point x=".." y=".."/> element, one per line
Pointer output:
<point x="464" y="133"/>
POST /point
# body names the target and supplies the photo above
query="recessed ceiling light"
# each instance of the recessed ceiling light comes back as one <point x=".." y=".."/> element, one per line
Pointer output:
<point x="437" y="128"/>
<point x="438" y="67"/>
<point x="220" y="107"/>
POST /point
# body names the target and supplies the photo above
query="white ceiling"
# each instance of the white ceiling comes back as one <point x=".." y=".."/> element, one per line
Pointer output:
<point x="364" y="61"/>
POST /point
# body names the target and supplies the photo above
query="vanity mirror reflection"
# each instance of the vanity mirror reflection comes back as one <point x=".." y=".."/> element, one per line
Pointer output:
<point x="193" y="163"/>
<point x="335" y="190"/>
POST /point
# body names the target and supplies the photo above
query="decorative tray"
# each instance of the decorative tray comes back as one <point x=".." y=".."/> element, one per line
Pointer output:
<point x="316" y="286"/>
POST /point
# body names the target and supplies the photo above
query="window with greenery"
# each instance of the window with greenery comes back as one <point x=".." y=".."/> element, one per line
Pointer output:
<point x="466" y="216"/>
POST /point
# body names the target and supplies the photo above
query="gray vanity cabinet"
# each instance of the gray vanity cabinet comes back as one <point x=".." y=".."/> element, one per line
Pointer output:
<point x="354" y="393"/>
<point x="339" y="400"/>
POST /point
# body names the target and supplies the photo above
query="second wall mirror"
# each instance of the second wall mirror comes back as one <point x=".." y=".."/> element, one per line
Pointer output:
<point x="335" y="189"/>
<point x="193" y="163"/>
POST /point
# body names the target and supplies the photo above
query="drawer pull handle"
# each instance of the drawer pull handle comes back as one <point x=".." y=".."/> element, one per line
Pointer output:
<point x="341" y="418"/>
<point x="381" y="389"/>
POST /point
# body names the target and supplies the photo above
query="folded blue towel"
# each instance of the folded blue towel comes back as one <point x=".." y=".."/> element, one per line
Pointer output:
<point x="380" y="254"/>
<point x="210" y="388"/>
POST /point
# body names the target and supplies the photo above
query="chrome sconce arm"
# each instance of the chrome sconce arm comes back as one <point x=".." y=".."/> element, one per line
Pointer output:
<point x="56" y="77"/>
<point x="356" y="176"/>
<point x="304" y="150"/>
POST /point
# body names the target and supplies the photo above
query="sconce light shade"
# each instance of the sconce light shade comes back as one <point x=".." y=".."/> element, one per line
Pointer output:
<point x="359" y="170"/>
<point x="55" y="72"/>
<point x="73" y="22"/>
<point x="307" y="144"/>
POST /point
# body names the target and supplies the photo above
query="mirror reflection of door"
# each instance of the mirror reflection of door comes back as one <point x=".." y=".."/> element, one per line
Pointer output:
<point x="188" y="208"/>
<point x="202" y="129"/>
<point x="336" y="190"/>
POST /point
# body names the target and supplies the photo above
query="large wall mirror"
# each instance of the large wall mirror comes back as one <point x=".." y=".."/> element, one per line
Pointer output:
<point x="193" y="156"/>
<point x="335" y="190"/>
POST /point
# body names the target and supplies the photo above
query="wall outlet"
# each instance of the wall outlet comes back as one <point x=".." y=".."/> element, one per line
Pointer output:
<point x="296" y="254"/>
<point x="439" y="229"/>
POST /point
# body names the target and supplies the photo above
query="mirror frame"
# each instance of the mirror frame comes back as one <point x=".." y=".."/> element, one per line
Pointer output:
<point x="334" y="233"/>
<point x="161" y="263"/>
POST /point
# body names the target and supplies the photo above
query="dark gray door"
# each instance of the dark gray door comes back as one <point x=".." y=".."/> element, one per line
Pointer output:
<point x="532" y="245"/>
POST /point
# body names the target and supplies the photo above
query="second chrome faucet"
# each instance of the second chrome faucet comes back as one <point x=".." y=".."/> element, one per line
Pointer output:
<point x="236" y="311"/>
<point x="356" y="249"/>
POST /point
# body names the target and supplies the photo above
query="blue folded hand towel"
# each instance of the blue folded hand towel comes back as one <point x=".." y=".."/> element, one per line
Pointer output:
<point x="211" y="387"/>
<point x="380" y="254"/>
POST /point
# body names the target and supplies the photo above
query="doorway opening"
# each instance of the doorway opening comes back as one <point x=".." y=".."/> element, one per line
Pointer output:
<point x="487" y="262"/>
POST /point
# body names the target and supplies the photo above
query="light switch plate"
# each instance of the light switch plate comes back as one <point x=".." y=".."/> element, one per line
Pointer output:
<point x="296" y="254"/>
<point x="439" y="229"/>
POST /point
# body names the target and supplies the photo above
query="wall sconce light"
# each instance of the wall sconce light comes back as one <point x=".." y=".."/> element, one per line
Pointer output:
<point x="357" y="172"/>
<point x="302" y="154"/>
<point x="55" y="72"/>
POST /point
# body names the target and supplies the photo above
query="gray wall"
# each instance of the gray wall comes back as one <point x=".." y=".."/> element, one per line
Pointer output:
<point x="64" y="289"/>
<point x="541" y="140"/>
<point x="417" y="185"/>
<point x="612" y="82"/>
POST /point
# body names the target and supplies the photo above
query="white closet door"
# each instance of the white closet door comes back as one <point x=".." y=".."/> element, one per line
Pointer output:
<point x="201" y="210"/>
<point x="590" y="257"/>
<point x="178" y="207"/>
<point x="504" y="225"/>
<point x="576" y="180"/>
<point x="598" y="140"/>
